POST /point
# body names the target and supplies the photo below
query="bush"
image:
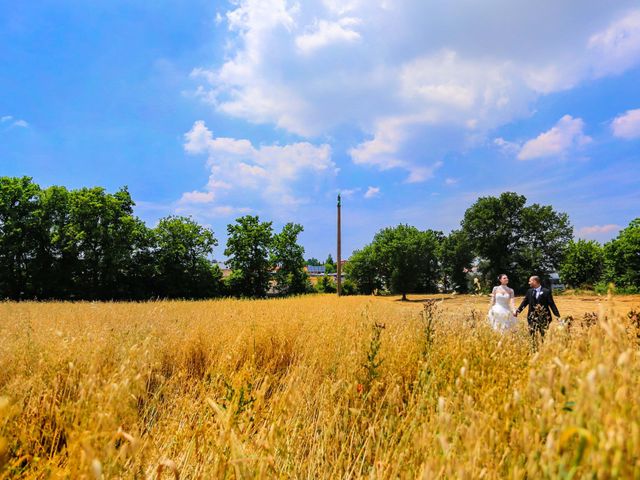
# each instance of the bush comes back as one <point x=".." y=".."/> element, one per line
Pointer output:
<point x="326" y="285"/>
<point x="349" y="288"/>
<point x="602" y="288"/>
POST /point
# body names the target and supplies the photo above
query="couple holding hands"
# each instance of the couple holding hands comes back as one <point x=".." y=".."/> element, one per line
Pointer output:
<point x="503" y="315"/>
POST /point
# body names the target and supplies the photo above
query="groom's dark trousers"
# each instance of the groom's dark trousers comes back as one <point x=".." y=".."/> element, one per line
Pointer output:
<point x="538" y="323"/>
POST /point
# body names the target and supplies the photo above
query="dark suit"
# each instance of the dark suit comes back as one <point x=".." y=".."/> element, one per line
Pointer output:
<point x="539" y="323"/>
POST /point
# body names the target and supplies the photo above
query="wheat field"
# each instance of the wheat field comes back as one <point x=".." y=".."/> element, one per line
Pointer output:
<point x="316" y="387"/>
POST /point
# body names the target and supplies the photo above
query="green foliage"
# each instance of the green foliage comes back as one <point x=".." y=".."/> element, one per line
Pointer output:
<point x="56" y="256"/>
<point x="103" y="234"/>
<point x="349" y="287"/>
<point x="362" y="270"/>
<point x="18" y="223"/>
<point x="402" y="259"/>
<point x="603" y="288"/>
<point x="314" y="262"/>
<point x="183" y="269"/>
<point x="87" y="244"/>
<point x="455" y="259"/>
<point x="248" y="247"/>
<point x="407" y="259"/>
<point x="330" y="265"/>
<point x="326" y="285"/>
<point x="622" y="257"/>
<point x="288" y="257"/>
<point x="583" y="263"/>
<point x="509" y="237"/>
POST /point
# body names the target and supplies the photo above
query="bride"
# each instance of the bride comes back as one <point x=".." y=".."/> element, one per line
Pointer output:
<point x="500" y="315"/>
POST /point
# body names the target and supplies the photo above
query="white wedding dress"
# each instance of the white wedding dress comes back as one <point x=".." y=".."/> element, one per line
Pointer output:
<point x="500" y="314"/>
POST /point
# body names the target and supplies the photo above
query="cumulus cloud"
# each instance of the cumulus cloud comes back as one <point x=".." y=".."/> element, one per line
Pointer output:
<point x="196" y="197"/>
<point x="566" y="135"/>
<point x="617" y="48"/>
<point x="325" y="33"/>
<point x="272" y="173"/>
<point x="627" y="125"/>
<point x="372" y="192"/>
<point x="384" y="151"/>
<point x="410" y="70"/>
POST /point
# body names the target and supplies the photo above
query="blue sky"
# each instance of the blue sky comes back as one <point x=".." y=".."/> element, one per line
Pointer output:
<point x="411" y="108"/>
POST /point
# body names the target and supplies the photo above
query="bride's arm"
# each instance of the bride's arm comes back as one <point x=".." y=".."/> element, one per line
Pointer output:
<point x="493" y="297"/>
<point x="513" y="300"/>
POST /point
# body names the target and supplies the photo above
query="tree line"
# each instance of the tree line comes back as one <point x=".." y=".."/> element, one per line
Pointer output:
<point x="87" y="244"/>
<point x="57" y="243"/>
<point x="588" y="264"/>
<point x="496" y="235"/>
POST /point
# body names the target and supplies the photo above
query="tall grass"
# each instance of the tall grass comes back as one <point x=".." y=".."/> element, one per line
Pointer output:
<point x="313" y="387"/>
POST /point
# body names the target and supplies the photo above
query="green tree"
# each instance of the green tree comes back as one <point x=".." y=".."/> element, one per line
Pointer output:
<point x="19" y="203"/>
<point x="363" y="270"/>
<point x="330" y="265"/>
<point x="314" y="262"/>
<point x="288" y="258"/>
<point x="407" y="259"/>
<point x="582" y="264"/>
<point x="455" y="259"/>
<point x="103" y="232"/>
<point x="326" y="284"/>
<point x="56" y="256"/>
<point x="622" y="257"/>
<point x="248" y="246"/>
<point x="509" y="237"/>
<point x="183" y="267"/>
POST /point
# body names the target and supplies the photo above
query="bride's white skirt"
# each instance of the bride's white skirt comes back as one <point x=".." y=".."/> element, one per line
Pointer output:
<point x="501" y="319"/>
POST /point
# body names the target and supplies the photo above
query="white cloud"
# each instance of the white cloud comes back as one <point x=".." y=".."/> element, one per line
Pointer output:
<point x="422" y="173"/>
<point x="348" y="192"/>
<point x="210" y="211"/>
<point x="372" y="192"/>
<point x="566" y="135"/>
<point x="627" y="125"/>
<point x="196" y="197"/>
<point x="14" y="122"/>
<point x="617" y="48"/>
<point x="451" y="181"/>
<point x="596" y="230"/>
<point x="197" y="139"/>
<point x="326" y="33"/>
<point x="271" y="173"/>
<point x="402" y="72"/>
<point x="384" y="151"/>
<point x="507" y="147"/>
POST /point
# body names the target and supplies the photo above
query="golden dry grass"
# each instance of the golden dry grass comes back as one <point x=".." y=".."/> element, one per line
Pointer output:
<point x="315" y="387"/>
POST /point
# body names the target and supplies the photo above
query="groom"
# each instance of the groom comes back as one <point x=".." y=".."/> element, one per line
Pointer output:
<point x="539" y="319"/>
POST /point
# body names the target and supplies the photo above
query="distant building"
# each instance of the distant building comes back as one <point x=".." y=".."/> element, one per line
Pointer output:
<point x="226" y="271"/>
<point x="315" y="270"/>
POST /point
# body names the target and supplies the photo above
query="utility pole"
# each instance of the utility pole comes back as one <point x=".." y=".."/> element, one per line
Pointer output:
<point x="339" y="265"/>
